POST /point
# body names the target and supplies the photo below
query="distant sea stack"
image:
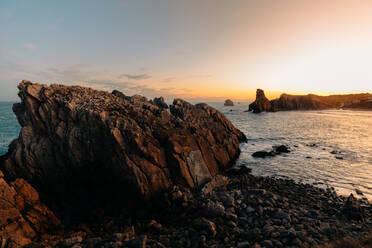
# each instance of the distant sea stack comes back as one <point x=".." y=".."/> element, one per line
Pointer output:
<point x="85" y="145"/>
<point x="261" y="103"/>
<point x="310" y="102"/>
<point x="228" y="102"/>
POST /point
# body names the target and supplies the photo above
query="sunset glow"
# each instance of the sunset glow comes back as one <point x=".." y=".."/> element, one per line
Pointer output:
<point x="190" y="49"/>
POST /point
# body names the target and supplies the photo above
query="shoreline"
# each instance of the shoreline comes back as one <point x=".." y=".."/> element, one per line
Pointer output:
<point x="245" y="211"/>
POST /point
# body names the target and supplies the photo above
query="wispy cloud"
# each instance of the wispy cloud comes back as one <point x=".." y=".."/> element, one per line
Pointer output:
<point x="135" y="76"/>
<point x="30" y="47"/>
<point x="168" y="79"/>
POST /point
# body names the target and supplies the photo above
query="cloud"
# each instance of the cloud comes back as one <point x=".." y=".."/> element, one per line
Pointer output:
<point x="168" y="80"/>
<point x="135" y="76"/>
<point x="180" y="52"/>
<point x="201" y="76"/>
<point x="75" y="72"/>
<point x="30" y="47"/>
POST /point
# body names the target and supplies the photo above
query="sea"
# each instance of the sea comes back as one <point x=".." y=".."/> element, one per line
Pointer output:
<point x="329" y="148"/>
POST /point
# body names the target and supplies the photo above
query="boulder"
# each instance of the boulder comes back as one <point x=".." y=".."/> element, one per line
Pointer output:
<point x="159" y="101"/>
<point x="82" y="144"/>
<point x="263" y="154"/>
<point x="228" y="102"/>
<point x="22" y="215"/>
<point x="261" y="103"/>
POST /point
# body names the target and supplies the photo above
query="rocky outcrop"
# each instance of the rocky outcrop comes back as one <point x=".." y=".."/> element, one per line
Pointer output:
<point x="261" y="103"/>
<point x="310" y="102"/>
<point x="228" y="102"/>
<point x="159" y="101"/>
<point x="22" y="215"/>
<point x="79" y="143"/>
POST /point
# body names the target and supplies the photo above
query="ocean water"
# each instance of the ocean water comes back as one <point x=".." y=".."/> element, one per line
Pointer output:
<point x="9" y="127"/>
<point x="311" y="135"/>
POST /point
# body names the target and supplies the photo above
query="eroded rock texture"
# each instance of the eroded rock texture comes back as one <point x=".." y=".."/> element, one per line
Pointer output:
<point x="310" y="102"/>
<point x="82" y="143"/>
<point x="261" y="103"/>
<point x="22" y="215"/>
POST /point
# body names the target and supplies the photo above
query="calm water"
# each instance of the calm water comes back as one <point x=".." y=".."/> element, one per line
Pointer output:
<point x="9" y="127"/>
<point x="312" y="136"/>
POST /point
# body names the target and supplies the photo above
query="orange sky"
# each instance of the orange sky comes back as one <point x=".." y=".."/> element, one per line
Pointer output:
<point x="212" y="49"/>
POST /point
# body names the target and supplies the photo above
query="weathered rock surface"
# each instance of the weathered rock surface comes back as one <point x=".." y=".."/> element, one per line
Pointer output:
<point x="310" y="102"/>
<point x="261" y="103"/>
<point x="83" y="144"/>
<point x="159" y="101"/>
<point x="22" y="215"/>
<point x="228" y="102"/>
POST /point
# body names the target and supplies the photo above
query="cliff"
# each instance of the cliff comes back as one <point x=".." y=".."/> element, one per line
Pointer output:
<point x="83" y="145"/>
<point x="261" y="103"/>
<point x="310" y="102"/>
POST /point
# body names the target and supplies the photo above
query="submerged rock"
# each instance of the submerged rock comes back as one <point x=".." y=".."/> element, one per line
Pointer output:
<point x="263" y="154"/>
<point x="81" y="144"/>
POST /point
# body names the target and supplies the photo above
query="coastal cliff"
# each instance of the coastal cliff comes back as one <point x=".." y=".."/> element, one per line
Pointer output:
<point x="310" y="102"/>
<point x="84" y="145"/>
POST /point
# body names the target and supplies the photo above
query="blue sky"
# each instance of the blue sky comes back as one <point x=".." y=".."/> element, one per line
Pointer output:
<point x="193" y="49"/>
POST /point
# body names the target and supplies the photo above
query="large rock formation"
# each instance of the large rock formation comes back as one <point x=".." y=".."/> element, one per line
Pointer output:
<point x="309" y="102"/>
<point x="261" y="103"/>
<point x="79" y="143"/>
<point x="22" y="215"/>
<point x="228" y="102"/>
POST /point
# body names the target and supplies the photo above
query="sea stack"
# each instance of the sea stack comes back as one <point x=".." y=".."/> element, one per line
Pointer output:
<point x="261" y="103"/>
<point x="228" y="102"/>
<point x="81" y="144"/>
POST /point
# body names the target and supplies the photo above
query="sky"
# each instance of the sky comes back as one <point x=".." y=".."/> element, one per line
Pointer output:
<point x="195" y="49"/>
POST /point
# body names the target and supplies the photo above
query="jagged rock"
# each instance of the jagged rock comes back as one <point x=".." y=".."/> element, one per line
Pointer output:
<point x="261" y="103"/>
<point x="228" y="102"/>
<point x="159" y="101"/>
<point x="78" y="143"/>
<point x="22" y="215"/>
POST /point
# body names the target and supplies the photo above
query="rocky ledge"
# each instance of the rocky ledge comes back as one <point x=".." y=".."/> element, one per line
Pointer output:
<point x="91" y="147"/>
<point x="310" y="102"/>
<point x="240" y="210"/>
<point x="23" y="217"/>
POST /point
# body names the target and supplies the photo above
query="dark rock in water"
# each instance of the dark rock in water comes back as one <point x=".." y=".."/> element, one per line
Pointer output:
<point x="228" y="102"/>
<point x="282" y="149"/>
<point x="22" y="215"/>
<point x="358" y="191"/>
<point x="159" y="101"/>
<point x="261" y="103"/>
<point x="81" y="144"/>
<point x="263" y="154"/>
